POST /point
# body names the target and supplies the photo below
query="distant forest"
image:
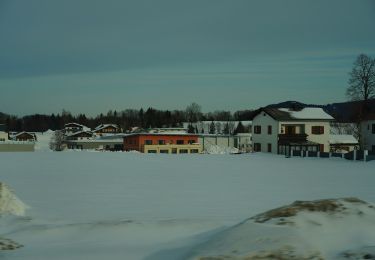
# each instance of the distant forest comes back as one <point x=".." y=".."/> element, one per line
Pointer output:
<point x="126" y="119"/>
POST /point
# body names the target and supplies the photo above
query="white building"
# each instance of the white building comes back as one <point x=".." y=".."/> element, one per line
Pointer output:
<point x="282" y="130"/>
<point x="368" y="133"/>
<point x="3" y="134"/>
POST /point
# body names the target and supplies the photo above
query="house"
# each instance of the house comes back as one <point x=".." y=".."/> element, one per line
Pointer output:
<point x="368" y="132"/>
<point x="23" y="136"/>
<point x="342" y="143"/>
<point x="70" y="128"/>
<point x="282" y="130"/>
<point x="80" y="135"/>
<point x="3" y="134"/>
<point x="107" y="129"/>
<point x="162" y="143"/>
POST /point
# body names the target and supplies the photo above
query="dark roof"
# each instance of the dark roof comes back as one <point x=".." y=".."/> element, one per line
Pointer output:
<point x="278" y="114"/>
<point x="370" y="116"/>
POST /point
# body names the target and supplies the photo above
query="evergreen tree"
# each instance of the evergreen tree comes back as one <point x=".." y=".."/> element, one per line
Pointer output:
<point x="212" y="128"/>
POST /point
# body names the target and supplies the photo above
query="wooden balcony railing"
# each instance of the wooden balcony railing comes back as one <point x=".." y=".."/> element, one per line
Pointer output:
<point x="292" y="138"/>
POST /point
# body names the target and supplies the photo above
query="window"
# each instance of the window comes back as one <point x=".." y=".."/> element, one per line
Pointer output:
<point x="317" y="130"/>
<point x="270" y="129"/>
<point x="194" y="151"/>
<point x="257" y="147"/>
<point x="257" y="129"/>
<point x="180" y="141"/>
<point x="2" y="139"/>
<point x="269" y="148"/>
<point x="373" y="148"/>
<point x="151" y="151"/>
<point x="148" y="142"/>
<point x="191" y="141"/>
<point x="164" y="151"/>
<point x="183" y="151"/>
<point x="161" y="142"/>
<point x="373" y="128"/>
<point x="174" y="150"/>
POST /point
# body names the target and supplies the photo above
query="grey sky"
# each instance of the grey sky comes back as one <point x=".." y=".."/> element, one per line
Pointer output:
<point x="91" y="55"/>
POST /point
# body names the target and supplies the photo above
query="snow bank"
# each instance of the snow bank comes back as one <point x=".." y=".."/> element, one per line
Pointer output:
<point x="9" y="203"/>
<point x="321" y="229"/>
<point x="43" y="140"/>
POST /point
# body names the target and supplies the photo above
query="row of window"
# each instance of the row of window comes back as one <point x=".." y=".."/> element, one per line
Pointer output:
<point x="163" y="142"/>
<point x="258" y="147"/>
<point x="315" y="130"/>
<point x="174" y="151"/>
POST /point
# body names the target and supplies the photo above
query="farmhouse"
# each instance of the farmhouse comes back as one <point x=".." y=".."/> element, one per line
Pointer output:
<point x="23" y="136"/>
<point x="162" y="143"/>
<point x="80" y="135"/>
<point x="107" y="129"/>
<point x="282" y="130"/>
<point x="73" y="128"/>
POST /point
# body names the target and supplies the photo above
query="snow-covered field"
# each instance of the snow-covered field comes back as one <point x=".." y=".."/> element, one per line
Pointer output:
<point x="104" y="205"/>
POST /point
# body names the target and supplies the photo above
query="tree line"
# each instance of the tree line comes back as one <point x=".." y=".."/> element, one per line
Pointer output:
<point x="126" y="119"/>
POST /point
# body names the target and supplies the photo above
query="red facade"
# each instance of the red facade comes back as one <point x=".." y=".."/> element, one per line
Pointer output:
<point x="137" y="141"/>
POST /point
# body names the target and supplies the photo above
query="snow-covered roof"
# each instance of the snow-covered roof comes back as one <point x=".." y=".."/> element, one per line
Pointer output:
<point x="308" y="113"/>
<point x="14" y="135"/>
<point x="342" y="139"/>
<point x="73" y="124"/>
<point x="100" y="127"/>
<point x="305" y="114"/>
<point x="79" y="132"/>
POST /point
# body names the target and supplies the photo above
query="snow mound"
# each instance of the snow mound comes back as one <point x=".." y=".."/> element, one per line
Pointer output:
<point x="322" y="229"/>
<point x="9" y="203"/>
<point x="216" y="149"/>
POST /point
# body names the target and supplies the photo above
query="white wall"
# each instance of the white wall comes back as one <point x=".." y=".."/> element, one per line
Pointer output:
<point x="3" y="136"/>
<point x="368" y="138"/>
<point x="264" y="120"/>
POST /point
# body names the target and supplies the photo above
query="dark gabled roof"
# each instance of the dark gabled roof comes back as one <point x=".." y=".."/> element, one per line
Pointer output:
<point x="278" y="114"/>
<point x="369" y="116"/>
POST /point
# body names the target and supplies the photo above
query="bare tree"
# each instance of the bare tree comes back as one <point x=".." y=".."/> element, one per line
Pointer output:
<point x="193" y="112"/>
<point x="362" y="79"/>
<point x="57" y="141"/>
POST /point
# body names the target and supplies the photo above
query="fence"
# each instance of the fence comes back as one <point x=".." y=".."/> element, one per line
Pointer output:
<point x="356" y="155"/>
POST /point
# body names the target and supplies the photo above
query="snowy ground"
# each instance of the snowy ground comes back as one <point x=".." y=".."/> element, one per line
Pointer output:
<point x="97" y="205"/>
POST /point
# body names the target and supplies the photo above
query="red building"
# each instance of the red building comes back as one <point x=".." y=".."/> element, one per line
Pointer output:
<point x="162" y="143"/>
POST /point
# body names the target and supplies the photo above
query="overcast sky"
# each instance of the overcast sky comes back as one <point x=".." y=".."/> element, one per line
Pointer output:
<point x="89" y="56"/>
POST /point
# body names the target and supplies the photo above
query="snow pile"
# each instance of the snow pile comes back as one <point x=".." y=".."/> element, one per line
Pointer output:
<point x="43" y="140"/>
<point x="9" y="203"/>
<point x="217" y="149"/>
<point x="321" y="229"/>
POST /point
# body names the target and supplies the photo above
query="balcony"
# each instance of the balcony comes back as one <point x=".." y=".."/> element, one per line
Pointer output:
<point x="292" y="138"/>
